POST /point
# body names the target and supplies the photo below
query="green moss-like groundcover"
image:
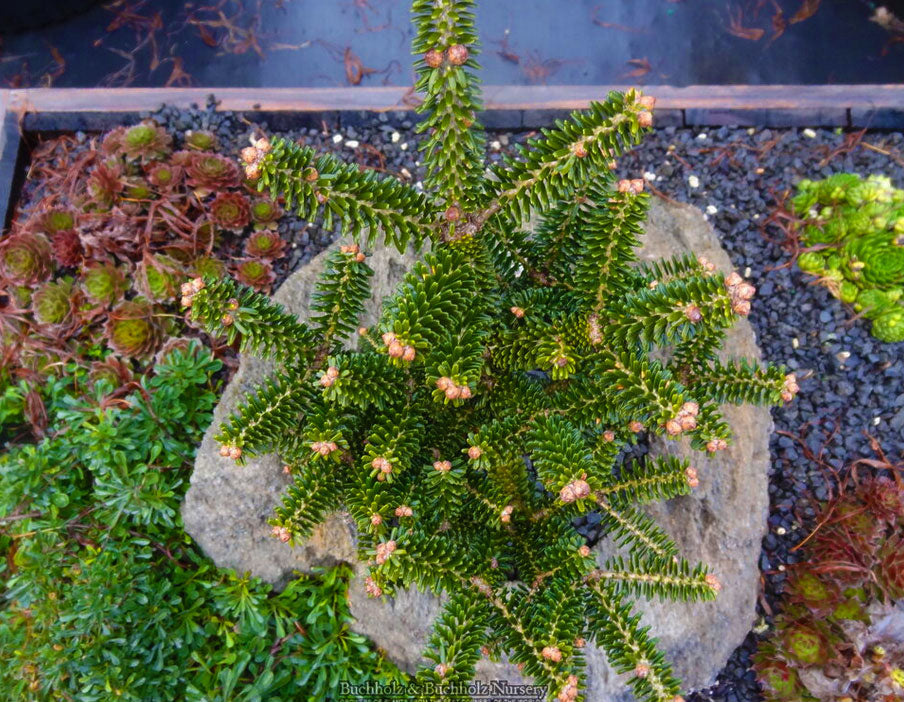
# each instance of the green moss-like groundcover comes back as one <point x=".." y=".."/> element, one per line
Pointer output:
<point x="102" y="594"/>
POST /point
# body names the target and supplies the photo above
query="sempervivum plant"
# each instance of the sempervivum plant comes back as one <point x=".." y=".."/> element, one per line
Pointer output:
<point x="157" y="277"/>
<point x="855" y="228"/>
<point x="265" y="213"/>
<point x="145" y="141"/>
<point x="67" y="248"/>
<point x="25" y="258"/>
<point x="211" y="172"/>
<point x="264" y="244"/>
<point x="134" y="329"/>
<point x="56" y="220"/>
<point x="104" y="283"/>
<point x="164" y="176"/>
<point x="200" y="140"/>
<point x="832" y="640"/>
<point x="230" y="211"/>
<point x="255" y="273"/>
<point x="53" y="302"/>
<point x="492" y="403"/>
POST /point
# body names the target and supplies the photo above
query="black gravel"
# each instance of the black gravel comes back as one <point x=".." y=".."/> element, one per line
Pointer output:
<point x="854" y="384"/>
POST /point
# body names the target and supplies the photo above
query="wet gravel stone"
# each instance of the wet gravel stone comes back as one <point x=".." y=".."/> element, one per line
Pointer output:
<point x="853" y="385"/>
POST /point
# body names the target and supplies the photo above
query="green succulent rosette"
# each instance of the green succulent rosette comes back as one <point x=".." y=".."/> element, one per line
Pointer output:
<point x="158" y="277"/>
<point x="889" y="326"/>
<point x="857" y="226"/>
<point x="133" y="329"/>
<point x="25" y="258"/>
<point x="104" y="284"/>
<point x="52" y="303"/>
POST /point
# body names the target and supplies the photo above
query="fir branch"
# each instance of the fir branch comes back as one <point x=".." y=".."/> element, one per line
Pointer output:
<point x="662" y="577"/>
<point x="339" y="295"/>
<point x="362" y="201"/>
<point x="265" y="329"/>
<point x="741" y="382"/>
<point x="661" y="478"/>
<point x="627" y="645"/>
<point x="453" y="150"/>
<point x="635" y="530"/>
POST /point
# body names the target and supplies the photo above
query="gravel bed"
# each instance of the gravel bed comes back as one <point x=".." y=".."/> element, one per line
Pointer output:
<point x="854" y="384"/>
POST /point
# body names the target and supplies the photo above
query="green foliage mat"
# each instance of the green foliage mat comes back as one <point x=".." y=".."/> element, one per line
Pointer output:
<point x="103" y="595"/>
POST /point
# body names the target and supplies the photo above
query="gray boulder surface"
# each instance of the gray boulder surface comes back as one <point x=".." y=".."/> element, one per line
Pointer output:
<point x="721" y="523"/>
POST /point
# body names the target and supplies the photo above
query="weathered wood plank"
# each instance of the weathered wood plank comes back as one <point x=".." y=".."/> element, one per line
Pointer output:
<point x="10" y="150"/>
<point x="560" y="97"/>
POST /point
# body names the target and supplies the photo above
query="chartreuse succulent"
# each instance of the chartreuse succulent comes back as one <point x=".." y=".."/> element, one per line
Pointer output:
<point x="490" y="405"/>
<point x="854" y="229"/>
<point x="832" y="640"/>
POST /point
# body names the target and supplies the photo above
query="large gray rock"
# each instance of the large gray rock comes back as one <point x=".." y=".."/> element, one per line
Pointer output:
<point x="722" y="523"/>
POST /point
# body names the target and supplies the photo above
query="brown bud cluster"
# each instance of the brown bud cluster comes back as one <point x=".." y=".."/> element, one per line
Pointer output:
<point x="281" y="533"/>
<point x="740" y="292"/>
<point x="691" y="474"/>
<point x="706" y="264"/>
<point x="580" y="642"/>
<point x="227" y="319"/>
<point x="790" y="387"/>
<point x="575" y="490"/>
<point x="636" y="426"/>
<point x="693" y="313"/>
<point x="403" y="511"/>
<point x="481" y="586"/>
<point x="381" y="464"/>
<point x="233" y="452"/>
<point x="453" y="391"/>
<point x="457" y="54"/>
<point x="474" y="452"/>
<point x="384" y="551"/>
<point x="506" y="515"/>
<point x="371" y="588"/>
<point x="517" y="311"/>
<point x="453" y="213"/>
<point x="253" y="156"/>
<point x="376" y="519"/>
<point x="434" y="58"/>
<point x="609" y="436"/>
<point x="579" y="149"/>
<point x="324" y="448"/>
<point x="442" y="466"/>
<point x="685" y="420"/>
<point x="642" y="670"/>
<point x="397" y="349"/>
<point x="633" y="186"/>
<point x="329" y="376"/>
<point x="552" y="653"/>
<point x="713" y="582"/>
<point x="716" y="445"/>
<point x="442" y="669"/>
<point x="584" y="551"/>
<point x="569" y="693"/>
<point x="190" y="289"/>
<point x="593" y="329"/>
<point x="645" y="117"/>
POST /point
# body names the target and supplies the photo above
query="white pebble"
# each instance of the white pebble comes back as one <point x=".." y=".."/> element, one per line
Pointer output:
<point x="701" y="136"/>
<point x="877" y="421"/>
<point x="504" y="139"/>
<point x="843" y="355"/>
<point x="747" y="272"/>
<point x="404" y="146"/>
<point x="495" y="145"/>
<point x="809" y="133"/>
<point x="395" y="137"/>
<point x="711" y="209"/>
<point x="795" y="343"/>
<point x="781" y="531"/>
<point x="649" y="177"/>
<point x="337" y="138"/>
<point x="751" y="131"/>
<point x="405" y="173"/>
<point x="693" y="181"/>
<point x="756" y="216"/>
<point x="419" y="185"/>
<point x="781" y="567"/>
<point x="352" y="144"/>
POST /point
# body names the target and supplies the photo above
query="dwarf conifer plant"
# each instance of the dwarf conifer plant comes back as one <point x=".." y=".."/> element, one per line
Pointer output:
<point x="490" y="405"/>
